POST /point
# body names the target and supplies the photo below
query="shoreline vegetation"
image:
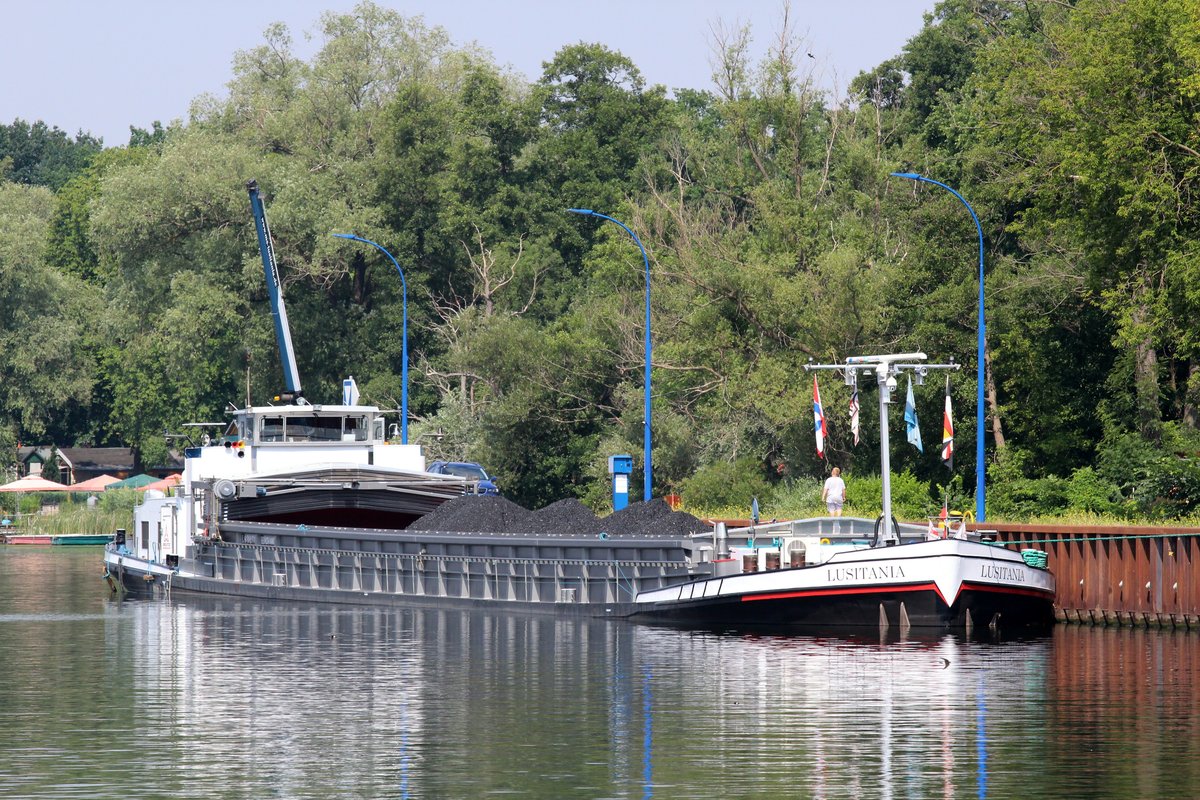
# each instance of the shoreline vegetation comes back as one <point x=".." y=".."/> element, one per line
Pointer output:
<point x="68" y="515"/>
<point x="797" y="500"/>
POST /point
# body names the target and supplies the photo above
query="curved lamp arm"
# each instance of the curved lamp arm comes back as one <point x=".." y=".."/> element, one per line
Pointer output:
<point x="980" y="487"/>
<point x="404" y="334"/>
<point x="648" y="470"/>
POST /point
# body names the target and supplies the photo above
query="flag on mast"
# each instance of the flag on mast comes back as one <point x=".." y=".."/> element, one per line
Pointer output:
<point x="943" y="526"/>
<point x="910" y="419"/>
<point x="818" y="419"/>
<point x="948" y="430"/>
<point x="854" y="414"/>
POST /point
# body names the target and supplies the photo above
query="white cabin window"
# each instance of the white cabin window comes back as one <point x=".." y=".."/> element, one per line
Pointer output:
<point x="355" y="430"/>
<point x="314" y="429"/>
<point x="271" y="430"/>
<point x="351" y="428"/>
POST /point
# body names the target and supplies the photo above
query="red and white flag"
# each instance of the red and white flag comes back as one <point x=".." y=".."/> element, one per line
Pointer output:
<point x="948" y="431"/>
<point x="818" y="419"/>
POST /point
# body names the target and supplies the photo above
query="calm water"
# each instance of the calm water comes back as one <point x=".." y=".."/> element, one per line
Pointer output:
<point x="200" y="698"/>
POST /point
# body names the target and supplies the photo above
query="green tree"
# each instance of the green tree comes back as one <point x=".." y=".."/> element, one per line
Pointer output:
<point x="599" y="120"/>
<point x="41" y="335"/>
<point x="39" y="155"/>
<point x="1099" y="143"/>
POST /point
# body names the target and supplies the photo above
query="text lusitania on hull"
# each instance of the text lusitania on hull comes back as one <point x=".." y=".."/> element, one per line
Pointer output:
<point x="873" y="573"/>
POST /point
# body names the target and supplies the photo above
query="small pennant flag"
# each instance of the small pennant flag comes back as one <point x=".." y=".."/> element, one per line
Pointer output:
<point x="854" y="414"/>
<point x="818" y="419"/>
<point x="948" y="430"/>
<point x="910" y="419"/>
<point x="939" y="531"/>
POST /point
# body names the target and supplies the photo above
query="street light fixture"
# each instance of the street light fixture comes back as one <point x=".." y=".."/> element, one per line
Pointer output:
<point x="404" y="334"/>
<point x="980" y="499"/>
<point x="648" y="471"/>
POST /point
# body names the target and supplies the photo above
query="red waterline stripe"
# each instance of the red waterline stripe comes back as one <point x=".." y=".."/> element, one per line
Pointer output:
<point x="984" y="587"/>
<point x="918" y="587"/>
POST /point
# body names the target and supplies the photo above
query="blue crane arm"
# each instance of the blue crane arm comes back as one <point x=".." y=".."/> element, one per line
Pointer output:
<point x="283" y="333"/>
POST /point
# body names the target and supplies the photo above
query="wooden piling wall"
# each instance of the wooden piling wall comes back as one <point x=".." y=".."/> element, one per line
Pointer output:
<point x="1117" y="575"/>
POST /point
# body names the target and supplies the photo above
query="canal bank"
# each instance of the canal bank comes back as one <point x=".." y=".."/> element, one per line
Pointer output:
<point x="1129" y="575"/>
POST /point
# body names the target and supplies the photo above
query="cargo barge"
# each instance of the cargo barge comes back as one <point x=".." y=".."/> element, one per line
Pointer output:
<point x="307" y="502"/>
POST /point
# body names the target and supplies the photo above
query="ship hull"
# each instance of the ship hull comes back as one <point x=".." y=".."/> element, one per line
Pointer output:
<point x="945" y="584"/>
<point x="548" y="573"/>
<point x="142" y="580"/>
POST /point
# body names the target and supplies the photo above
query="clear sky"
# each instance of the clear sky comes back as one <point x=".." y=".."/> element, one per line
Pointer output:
<point x="103" y="66"/>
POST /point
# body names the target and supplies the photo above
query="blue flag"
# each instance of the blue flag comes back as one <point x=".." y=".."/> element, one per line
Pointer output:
<point x="910" y="419"/>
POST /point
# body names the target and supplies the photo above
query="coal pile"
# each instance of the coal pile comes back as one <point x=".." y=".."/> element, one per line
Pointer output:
<point x="476" y="513"/>
<point x="654" y="518"/>
<point x="491" y="514"/>
<point x="565" y="516"/>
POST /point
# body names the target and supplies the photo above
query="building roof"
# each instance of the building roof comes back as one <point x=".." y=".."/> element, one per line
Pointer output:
<point x="98" y="459"/>
<point x="26" y="452"/>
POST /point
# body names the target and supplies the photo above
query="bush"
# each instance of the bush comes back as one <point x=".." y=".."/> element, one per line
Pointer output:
<point x="726" y="483"/>
<point x="910" y="496"/>
<point x="796" y="499"/>
<point x="1171" y="490"/>
<point x="120" y="500"/>
<point x="1088" y="491"/>
<point x="1157" y="480"/>
<point x="1013" y="494"/>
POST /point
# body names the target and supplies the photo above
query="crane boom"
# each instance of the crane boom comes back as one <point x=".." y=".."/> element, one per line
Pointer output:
<point x="283" y="333"/>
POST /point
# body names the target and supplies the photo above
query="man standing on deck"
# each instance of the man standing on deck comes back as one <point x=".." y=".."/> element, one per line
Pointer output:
<point x="834" y="493"/>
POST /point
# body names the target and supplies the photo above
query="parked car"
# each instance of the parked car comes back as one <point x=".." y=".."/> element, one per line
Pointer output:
<point x="467" y="470"/>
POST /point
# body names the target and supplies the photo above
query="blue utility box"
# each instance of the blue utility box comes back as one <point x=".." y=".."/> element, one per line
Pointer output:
<point x="620" y="467"/>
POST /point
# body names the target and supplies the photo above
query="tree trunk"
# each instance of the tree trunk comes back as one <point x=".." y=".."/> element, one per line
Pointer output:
<point x="1145" y="370"/>
<point x="993" y="405"/>
<point x="1191" y="395"/>
<point x="359" y="268"/>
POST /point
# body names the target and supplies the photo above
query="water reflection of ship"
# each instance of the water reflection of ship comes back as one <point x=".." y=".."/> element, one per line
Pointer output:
<point x="397" y="696"/>
<point x="841" y="716"/>
<point x="383" y="692"/>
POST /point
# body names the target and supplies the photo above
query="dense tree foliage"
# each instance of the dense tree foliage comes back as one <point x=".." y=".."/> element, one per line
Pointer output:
<point x="38" y="155"/>
<point x="134" y="298"/>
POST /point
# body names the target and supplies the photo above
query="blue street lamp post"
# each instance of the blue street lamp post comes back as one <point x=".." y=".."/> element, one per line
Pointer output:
<point x="403" y="335"/>
<point x="648" y="471"/>
<point x="980" y="500"/>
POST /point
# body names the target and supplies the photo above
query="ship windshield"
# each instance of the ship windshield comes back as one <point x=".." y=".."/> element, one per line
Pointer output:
<point x="352" y="428"/>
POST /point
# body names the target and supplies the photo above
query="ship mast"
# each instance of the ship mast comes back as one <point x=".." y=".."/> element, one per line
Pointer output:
<point x="885" y="368"/>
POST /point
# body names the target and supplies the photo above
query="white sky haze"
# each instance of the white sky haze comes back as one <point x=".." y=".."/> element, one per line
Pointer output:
<point x="101" y="67"/>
